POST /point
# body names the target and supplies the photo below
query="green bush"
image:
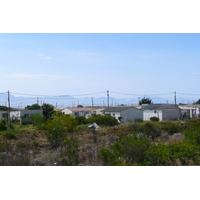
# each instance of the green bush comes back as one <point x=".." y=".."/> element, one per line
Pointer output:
<point x="103" y="120"/>
<point x="150" y="129"/>
<point x="69" y="155"/>
<point x="171" y="127"/>
<point x="192" y="132"/>
<point x="163" y="154"/>
<point x="37" y="120"/>
<point x="81" y="120"/>
<point x="138" y="120"/>
<point x="154" y="119"/>
<point x="10" y="136"/>
<point x="3" y="126"/>
<point x="58" y="127"/>
<point x="130" y="150"/>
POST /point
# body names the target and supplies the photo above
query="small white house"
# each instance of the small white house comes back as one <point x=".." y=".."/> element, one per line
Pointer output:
<point x="189" y="111"/>
<point x="123" y="113"/>
<point x="78" y="111"/>
<point x="19" y="114"/>
<point x="161" y="111"/>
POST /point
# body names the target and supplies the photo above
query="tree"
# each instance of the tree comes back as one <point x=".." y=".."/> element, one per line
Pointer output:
<point x="79" y="106"/>
<point x="48" y="110"/>
<point x="3" y="108"/>
<point x="197" y="102"/>
<point x="33" y="107"/>
<point x="145" y="100"/>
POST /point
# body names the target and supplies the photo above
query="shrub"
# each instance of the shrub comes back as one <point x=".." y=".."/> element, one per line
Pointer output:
<point x="138" y="120"/>
<point x="103" y="120"/>
<point x="10" y="136"/>
<point x="37" y="120"/>
<point x="171" y="127"/>
<point x="81" y="120"/>
<point x="130" y="150"/>
<point x="164" y="154"/>
<point x="150" y="129"/>
<point x="3" y="126"/>
<point x="69" y="155"/>
<point x="58" y="127"/>
<point x="154" y="119"/>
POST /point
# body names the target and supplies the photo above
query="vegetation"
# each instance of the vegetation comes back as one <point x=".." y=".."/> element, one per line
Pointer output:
<point x="154" y="119"/>
<point x="145" y="100"/>
<point x="64" y="140"/>
<point x="33" y="107"/>
<point x="3" y="125"/>
<point x="48" y="110"/>
<point x="103" y="120"/>
<point x="3" y="108"/>
<point x="197" y="102"/>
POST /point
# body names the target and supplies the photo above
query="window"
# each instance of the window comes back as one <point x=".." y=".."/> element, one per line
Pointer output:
<point x="154" y="111"/>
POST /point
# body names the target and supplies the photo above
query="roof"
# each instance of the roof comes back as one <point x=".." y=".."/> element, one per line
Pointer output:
<point x="116" y="109"/>
<point x="159" y="107"/>
<point x="79" y="109"/>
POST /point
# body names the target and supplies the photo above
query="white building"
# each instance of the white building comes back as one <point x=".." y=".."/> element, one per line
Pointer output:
<point x="123" y="113"/>
<point x="78" y="111"/>
<point x="189" y="111"/>
<point x="19" y="114"/>
<point x="161" y="111"/>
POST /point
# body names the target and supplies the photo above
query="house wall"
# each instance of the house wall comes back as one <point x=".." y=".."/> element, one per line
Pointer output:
<point x="147" y="114"/>
<point x="24" y="113"/>
<point x="171" y="114"/>
<point x="66" y="111"/>
<point x="131" y="114"/>
<point x="19" y="114"/>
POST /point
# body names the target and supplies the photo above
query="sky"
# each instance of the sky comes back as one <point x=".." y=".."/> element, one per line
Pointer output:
<point x="86" y="63"/>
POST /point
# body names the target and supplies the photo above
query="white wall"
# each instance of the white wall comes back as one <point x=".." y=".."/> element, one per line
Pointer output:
<point x="66" y="111"/>
<point x="147" y="114"/>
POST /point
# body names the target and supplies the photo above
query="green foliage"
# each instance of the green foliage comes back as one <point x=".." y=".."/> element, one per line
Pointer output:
<point x="145" y="100"/>
<point x="138" y="120"/>
<point x="79" y="106"/>
<point x="192" y="132"/>
<point x="154" y="119"/>
<point x="37" y="120"/>
<point x="57" y="128"/>
<point x="81" y="120"/>
<point x="130" y="150"/>
<point x="163" y="154"/>
<point x="33" y="107"/>
<point x="48" y="111"/>
<point x="197" y="102"/>
<point x="171" y="127"/>
<point x="70" y="152"/>
<point x="3" y="126"/>
<point x="3" y="108"/>
<point x="103" y="120"/>
<point x="10" y="136"/>
<point x="150" y="129"/>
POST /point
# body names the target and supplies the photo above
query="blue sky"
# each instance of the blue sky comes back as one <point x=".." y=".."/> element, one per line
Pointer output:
<point x="81" y="63"/>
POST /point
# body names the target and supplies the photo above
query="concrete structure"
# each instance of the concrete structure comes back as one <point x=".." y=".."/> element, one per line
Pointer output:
<point x="78" y="111"/>
<point x="19" y="114"/>
<point x="97" y="111"/>
<point x="123" y="113"/>
<point x="162" y="111"/>
<point x="189" y="111"/>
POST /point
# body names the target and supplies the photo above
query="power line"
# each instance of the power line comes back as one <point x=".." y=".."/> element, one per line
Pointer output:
<point x="140" y="94"/>
<point x="187" y="94"/>
<point x="59" y="95"/>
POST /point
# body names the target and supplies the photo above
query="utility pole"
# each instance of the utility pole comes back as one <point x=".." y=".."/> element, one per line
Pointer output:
<point x="9" y="121"/>
<point x="92" y="103"/>
<point x="108" y="97"/>
<point x="175" y="97"/>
